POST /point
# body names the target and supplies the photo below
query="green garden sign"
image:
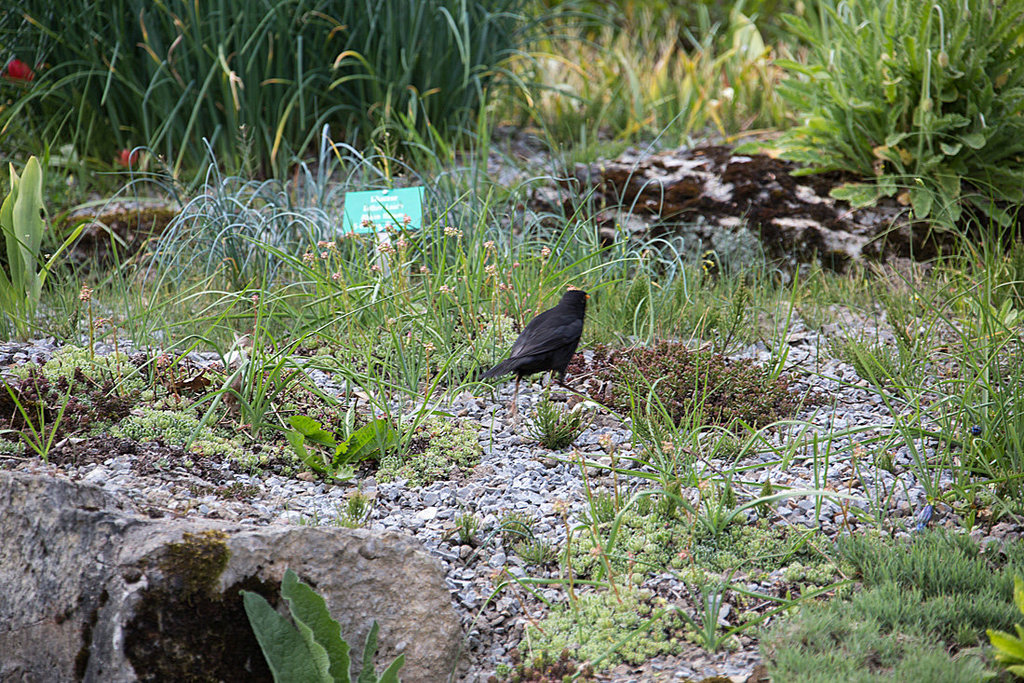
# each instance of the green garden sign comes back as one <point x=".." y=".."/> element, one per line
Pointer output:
<point x="378" y="210"/>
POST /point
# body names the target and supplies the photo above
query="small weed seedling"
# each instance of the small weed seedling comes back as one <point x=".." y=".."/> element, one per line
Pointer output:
<point x="555" y="427"/>
<point x="466" y="526"/>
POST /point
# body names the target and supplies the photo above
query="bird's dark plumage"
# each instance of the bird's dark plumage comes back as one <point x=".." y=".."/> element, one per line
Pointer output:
<point x="548" y="341"/>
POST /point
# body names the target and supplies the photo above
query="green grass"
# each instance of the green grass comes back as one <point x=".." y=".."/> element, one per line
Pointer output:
<point x="253" y="83"/>
<point x="680" y="81"/>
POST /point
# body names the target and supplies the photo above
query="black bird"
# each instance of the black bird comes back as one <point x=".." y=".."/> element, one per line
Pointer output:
<point x="547" y="342"/>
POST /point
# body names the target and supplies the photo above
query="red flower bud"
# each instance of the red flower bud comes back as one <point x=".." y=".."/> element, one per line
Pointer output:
<point x="128" y="157"/>
<point x="18" y="70"/>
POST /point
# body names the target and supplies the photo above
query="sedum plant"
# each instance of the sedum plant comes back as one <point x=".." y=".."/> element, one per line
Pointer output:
<point x="924" y="99"/>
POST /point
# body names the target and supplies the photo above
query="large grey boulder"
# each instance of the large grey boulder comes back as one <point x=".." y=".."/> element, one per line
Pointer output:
<point x="93" y="591"/>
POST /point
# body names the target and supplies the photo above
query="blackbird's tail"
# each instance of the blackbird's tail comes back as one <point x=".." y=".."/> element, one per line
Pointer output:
<point x="502" y="368"/>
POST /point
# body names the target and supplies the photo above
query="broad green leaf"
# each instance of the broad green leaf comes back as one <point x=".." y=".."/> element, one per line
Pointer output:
<point x="390" y="674"/>
<point x="889" y="185"/>
<point x="949" y="186"/>
<point x="29" y="209"/>
<point x="921" y="201"/>
<point x="283" y="647"/>
<point x="312" y="430"/>
<point x="297" y="442"/>
<point x="27" y="230"/>
<point x="1018" y="583"/>
<point x="10" y="235"/>
<point x="367" y="674"/>
<point x="34" y="290"/>
<point x="343" y="472"/>
<point x="974" y="140"/>
<point x="369" y="440"/>
<point x="309" y="611"/>
<point x="857" y="194"/>
<point x="1009" y="649"/>
<point x="950" y="150"/>
<point x="894" y="139"/>
<point x="746" y="39"/>
<point x="339" y="453"/>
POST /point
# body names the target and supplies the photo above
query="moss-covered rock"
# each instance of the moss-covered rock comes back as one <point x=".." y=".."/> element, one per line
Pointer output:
<point x="198" y="561"/>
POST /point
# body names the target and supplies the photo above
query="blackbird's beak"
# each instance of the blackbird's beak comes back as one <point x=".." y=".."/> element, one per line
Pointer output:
<point x="588" y="296"/>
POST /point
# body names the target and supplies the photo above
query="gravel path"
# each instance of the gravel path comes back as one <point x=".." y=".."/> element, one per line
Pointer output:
<point x="517" y="475"/>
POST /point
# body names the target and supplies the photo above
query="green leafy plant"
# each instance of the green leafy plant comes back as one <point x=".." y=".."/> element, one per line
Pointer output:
<point x="555" y="427"/>
<point x="608" y="627"/>
<point x="544" y="667"/>
<point x="357" y="511"/>
<point x="922" y="98"/>
<point x="716" y="509"/>
<point x="653" y="535"/>
<point x="1010" y="648"/>
<point x="515" y="526"/>
<point x="312" y="649"/>
<point x="336" y="459"/>
<point x="536" y="551"/>
<point x="967" y="401"/>
<point x="69" y="394"/>
<point x="705" y="627"/>
<point x="709" y="70"/>
<point x="23" y="221"/>
<point x="877" y="361"/>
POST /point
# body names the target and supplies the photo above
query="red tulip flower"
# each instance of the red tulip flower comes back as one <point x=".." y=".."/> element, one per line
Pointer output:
<point x="128" y="157"/>
<point x="18" y="70"/>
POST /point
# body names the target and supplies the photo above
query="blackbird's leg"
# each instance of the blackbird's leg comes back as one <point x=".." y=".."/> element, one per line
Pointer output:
<point x="561" y="383"/>
<point x="515" y="398"/>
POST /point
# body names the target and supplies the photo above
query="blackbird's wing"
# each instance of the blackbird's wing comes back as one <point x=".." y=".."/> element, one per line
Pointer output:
<point x="547" y="333"/>
<point x="539" y="344"/>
